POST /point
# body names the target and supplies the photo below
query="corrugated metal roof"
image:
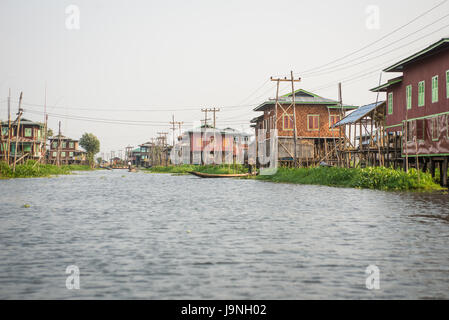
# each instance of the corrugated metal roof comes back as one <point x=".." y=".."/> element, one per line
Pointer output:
<point x="389" y="83"/>
<point x="219" y="131"/>
<point x="358" y="114"/>
<point x="24" y="121"/>
<point x="399" y="67"/>
<point x="301" y="97"/>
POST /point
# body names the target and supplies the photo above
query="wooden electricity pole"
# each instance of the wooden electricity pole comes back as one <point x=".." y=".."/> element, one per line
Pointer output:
<point x="9" y="127"/>
<point x="58" y="155"/>
<point x="340" y="100"/>
<point x="214" y="111"/>
<point x="174" y="123"/>
<point x="292" y="105"/>
<point x="19" y="114"/>
<point x="163" y="138"/>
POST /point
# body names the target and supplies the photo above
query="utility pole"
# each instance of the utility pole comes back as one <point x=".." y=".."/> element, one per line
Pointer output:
<point x="163" y="138"/>
<point x="214" y="111"/>
<point x="174" y="123"/>
<point x="19" y="114"/>
<point x="205" y="116"/>
<point x="340" y="100"/>
<point x="58" y="155"/>
<point x="9" y="126"/>
<point x="45" y="125"/>
<point x="292" y="105"/>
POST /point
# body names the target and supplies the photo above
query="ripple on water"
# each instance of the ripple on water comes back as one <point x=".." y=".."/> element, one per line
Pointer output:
<point x="164" y="237"/>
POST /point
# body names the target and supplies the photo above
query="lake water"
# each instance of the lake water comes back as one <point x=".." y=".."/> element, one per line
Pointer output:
<point x="154" y="236"/>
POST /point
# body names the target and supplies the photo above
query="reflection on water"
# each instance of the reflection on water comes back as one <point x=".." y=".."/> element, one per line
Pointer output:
<point x="137" y="235"/>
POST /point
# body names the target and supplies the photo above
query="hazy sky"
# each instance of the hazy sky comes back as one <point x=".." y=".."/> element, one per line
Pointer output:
<point x="139" y="60"/>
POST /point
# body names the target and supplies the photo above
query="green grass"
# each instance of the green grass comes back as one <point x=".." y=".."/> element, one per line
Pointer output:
<point x="212" y="169"/>
<point x="183" y="169"/>
<point x="378" y="178"/>
<point x="223" y="169"/>
<point x="29" y="170"/>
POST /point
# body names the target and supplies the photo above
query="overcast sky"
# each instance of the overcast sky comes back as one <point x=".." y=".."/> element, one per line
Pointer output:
<point x="129" y="57"/>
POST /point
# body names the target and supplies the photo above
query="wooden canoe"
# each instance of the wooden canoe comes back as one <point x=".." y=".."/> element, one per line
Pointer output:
<point x="210" y="175"/>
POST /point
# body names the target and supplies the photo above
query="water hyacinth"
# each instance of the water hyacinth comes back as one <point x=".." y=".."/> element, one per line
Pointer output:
<point x="379" y="178"/>
<point x="32" y="170"/>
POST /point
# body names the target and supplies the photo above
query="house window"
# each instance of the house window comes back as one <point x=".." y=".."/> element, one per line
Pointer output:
<point x="435" y="129"/>
<point x="408" y="92"/>
<point x="63" y="154"/>
<point x="420" y="132"/>
<point x="333" y="119"/>
<point x="287" y="122"/>
<point x="435" y="89"/>
<point x="390" y="103"/>
<point x="71" y="154"/>
<point x="54" y="145"/>
<point x="27" y="148"/>
<point x="64" y="145"/>
<point x="27" y="132"/>
<point x="421" y="94"/>
<point x="71" y="145"/>
<point x="313" y="122"/>
<point x="4" y="131"/>
<point x="54" y="154"/>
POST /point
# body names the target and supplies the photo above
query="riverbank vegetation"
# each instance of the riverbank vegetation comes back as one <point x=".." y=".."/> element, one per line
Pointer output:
<point x="378" y="178"/>
<point x="211" y="169"/>
<point x="31" y="169"/>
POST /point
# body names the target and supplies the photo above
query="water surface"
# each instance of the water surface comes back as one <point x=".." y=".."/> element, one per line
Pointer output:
<point x="156" y="236"/>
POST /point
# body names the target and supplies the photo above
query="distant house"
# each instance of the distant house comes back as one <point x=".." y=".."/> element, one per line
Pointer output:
<point x="420" y="99"/>
<point x="221" y="145"/>
<point x="314" y="117"/>
<point x="141" y="155"/>
<point x="30" y="143"/>
<point x="64" y="150"/>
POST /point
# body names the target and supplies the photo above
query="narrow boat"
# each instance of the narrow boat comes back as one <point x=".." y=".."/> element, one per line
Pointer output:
<point x="211" y="175"/>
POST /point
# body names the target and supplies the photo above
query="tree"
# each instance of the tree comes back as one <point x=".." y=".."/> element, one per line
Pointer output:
<point x="49" y="132"/>
<point x="91" y="144"/>
<point x="99" y="160"/>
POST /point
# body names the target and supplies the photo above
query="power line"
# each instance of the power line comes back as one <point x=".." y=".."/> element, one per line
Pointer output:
<point x="377" y="41"/>
<point x="332" y="69"/>
<point x="366" y="72"/>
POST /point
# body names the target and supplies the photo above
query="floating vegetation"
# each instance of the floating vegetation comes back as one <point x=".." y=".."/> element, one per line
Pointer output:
<point x="378" y="178"/>
<point x="211" y="169"/>
<point x="31" y="169"/>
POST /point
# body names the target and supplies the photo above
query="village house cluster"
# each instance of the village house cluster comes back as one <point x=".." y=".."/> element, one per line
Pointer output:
<point x="409" y="129"/>
<point x="27" y="140"/>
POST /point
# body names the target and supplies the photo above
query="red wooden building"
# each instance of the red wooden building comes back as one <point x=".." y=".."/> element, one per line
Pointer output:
<point x="314" y="117"/>
<point x="65" y="150"/>
<point x="418" y="103"/>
